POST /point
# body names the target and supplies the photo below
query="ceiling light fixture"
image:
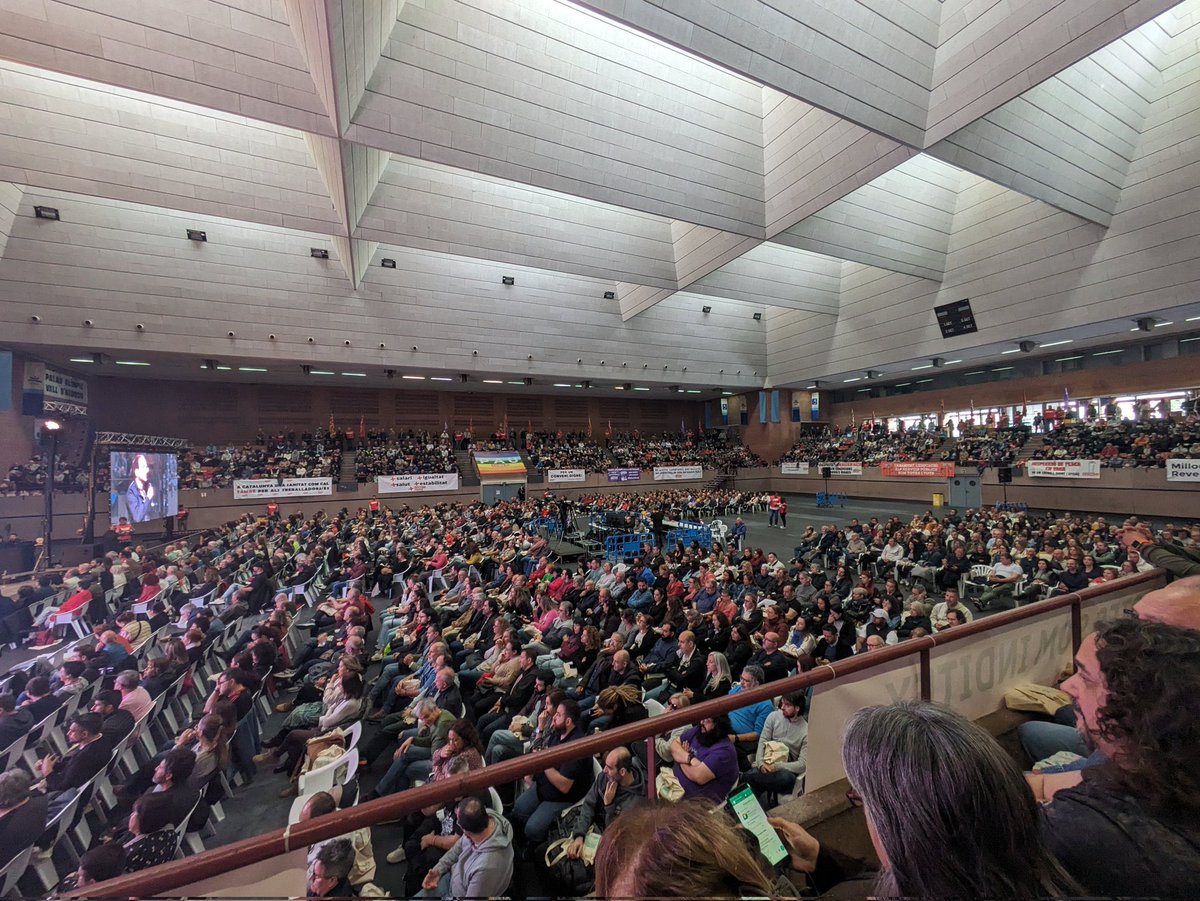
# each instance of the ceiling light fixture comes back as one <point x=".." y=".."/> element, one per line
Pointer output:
<point x="919" y="368"/>
<point x="318" y="253"/>
<point x="858" y="378"/>
<point x="440" y="378"/>
<point x="355" y="375"/>
<point x="493" y="381"/>
<point x="81" y="360"/>
<point x="507" y="280"/>
<point x="414" y="378"/>
<point x="1068" y="359"/>
<point x="1056" y="343"/>
<point x="706" y="310"/>
<point x="251" y="369"/>
<point x="194" y="234"/>
<point x="387" y="263"/>
<point x="1161" y="324"/>
<point x="758" y="317"/>
<point x="1015" y="350"/>
<point x="321" y="372"/>
<point x="46" y="212"/>
<point x="1003" y="368"/>
<point x="641" y="389"/>
<point x="610" y="295"/>
<point x="1105" y="353"/>
<point x="562" y="384"/>
<point x="130" y="363"/>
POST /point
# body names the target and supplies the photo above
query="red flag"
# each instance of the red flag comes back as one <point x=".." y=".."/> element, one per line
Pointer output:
<point x="589" y="425"/>
<point x="1024" y="405"/>
<point x="332" y="427"/>
<point x="471" y="425"/>
<point x="608" y="433"/>
<point x="362" y="425"/>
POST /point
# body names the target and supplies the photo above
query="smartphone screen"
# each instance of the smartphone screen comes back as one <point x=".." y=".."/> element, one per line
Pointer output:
<point x="754" y="819"/>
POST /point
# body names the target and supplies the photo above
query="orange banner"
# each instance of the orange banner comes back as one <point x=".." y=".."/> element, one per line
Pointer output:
<point x="927" y="469"/>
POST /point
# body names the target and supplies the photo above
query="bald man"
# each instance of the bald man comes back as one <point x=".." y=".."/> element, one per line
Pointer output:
<point x="1178" y="605"/>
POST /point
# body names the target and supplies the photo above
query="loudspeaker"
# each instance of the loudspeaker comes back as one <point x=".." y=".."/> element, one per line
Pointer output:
<point x="826" y="472"/>
<point x="1004" y="474"/>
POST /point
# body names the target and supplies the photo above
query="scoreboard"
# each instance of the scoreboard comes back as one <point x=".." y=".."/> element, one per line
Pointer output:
<point x="955" y="319"/>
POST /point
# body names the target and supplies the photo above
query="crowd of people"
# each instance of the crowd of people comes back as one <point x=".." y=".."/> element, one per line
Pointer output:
<point x="410" y="452"/>
<point x="987" y="447"/>
<point x="709" y="448"/>
<point x="313" y="456"/>
<point x="30" y="477"/>
<point x="453" y="634"/>
<point x="1146" y="443"/>
<point x="869" y="444"/>
<point x="558" y="450"/>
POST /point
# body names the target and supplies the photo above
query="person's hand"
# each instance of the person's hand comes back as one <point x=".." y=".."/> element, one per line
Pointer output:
<point x="430" y="882"/>
<point x="802" y="847"/>
<point x="766" y="768"/>
<point x="47" y="764"/>
<point x="575" y="849"/>
<point x="427" y="840"/>
<point x="687" y="692"/>
<point x="405" y="745"/>
<point x="610" y="795"/>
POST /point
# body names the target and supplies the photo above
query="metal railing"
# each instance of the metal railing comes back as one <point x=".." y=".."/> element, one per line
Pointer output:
<point x="163" y="879"/>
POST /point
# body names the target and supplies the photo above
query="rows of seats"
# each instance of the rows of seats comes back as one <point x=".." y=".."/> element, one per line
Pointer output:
<point x="1146" y="443"/>
<point x="709" y="449"/>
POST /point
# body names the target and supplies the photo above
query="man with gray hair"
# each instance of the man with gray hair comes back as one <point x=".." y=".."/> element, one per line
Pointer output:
<point x="329" y="873"/>
<point x="413" y="759"/>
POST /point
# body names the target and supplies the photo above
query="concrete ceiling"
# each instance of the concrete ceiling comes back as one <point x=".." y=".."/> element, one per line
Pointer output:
<point x="838" y="167"/>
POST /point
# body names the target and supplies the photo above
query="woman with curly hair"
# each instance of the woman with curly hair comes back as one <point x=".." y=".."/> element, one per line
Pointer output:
<point x="1132" y="826"/>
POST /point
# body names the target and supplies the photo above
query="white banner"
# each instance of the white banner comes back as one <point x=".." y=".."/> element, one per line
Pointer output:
<point x="841" y="469"/>
<point x="251" y="489"/>
<point x="60" y="386"/>
<point x="414" y="483"/>
<point x="793" y="469"/>
<point x="1063" y="469"/>
<point x="566" y="475"/>
<point x="677" y="473"/>
<point x="1183" y="470"/>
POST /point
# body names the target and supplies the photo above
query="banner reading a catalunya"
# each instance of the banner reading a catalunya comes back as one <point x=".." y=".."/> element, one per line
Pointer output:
<point x="250" y="489"/>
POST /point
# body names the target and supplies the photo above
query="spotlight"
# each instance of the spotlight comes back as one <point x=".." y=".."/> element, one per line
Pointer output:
<point x="464" y="378"/>
<point x="212" y="364"/>
<point x="938" y="362"/>
<point x="528" y="381"/>
<point x="35" y="318"/>
<point x="312" y="340"/>
<point x="579" y="360"/>
<point x="875" y="373"/>
<point x="140" y="327"/>
<point x="305" y="368"/>
<point x="1027" y="347"/>
<point x="318" y="253"/>
<point x="414" y="347"/>
<point x="88" y="323"/>
<point x="1146" y="324"/>
<point x="231" y="334"/>
<point x="46" y="212"/>
<point x="346" y="342"/>
<point x="758" y="317"/>
<point x="529" y="357"/>
<point x="382" y="346"/>
<point x="52" y="424"/>
<point x="387" y="263"/>
<point x="587" y="383"/>
<point x="270" y="337"/>
<point x="474" y="353"/>
<point x="507" y="280"/>
<point x="610" y="295"/>
<point x="390" y="373"/>
<point x="194" y="234"/>
<point x="706" y="310"/>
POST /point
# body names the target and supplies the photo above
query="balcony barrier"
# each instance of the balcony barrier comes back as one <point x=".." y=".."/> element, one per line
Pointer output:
<point x="968" y="668"/>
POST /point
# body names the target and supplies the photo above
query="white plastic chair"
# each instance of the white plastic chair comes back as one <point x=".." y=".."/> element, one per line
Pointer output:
<point x="74" y="619"/>
<point x="13" y="871"/>
<point x="326" y="777"/>
<point x="976" y="579"/>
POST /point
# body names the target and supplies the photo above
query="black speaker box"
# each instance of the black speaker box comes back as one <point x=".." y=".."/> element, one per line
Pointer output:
<point x="826" y="472"/>
<point x="1004" y="474"/>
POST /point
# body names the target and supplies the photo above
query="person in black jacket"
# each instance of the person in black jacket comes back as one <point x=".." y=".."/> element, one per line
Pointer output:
<point x="88" y="754"/>
<point x="14" y="721"/>
<point x="775" y="664"/>
<point x="688" y="673"/>
<point x="40" y="701"/>
<point x="22" y="814"/>
<point x="505" y="704"/>
<point x="117" y="723"/>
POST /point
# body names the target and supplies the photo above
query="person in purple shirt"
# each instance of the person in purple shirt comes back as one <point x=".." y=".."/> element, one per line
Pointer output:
<point x="706" y="762"/>
<point x="707" y="597"/>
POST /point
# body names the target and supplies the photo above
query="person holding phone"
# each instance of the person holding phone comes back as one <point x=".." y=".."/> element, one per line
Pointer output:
<point x="620" y="785"/>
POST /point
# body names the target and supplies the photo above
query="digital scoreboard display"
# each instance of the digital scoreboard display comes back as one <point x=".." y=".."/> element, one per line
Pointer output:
<point x="955" y="318"/>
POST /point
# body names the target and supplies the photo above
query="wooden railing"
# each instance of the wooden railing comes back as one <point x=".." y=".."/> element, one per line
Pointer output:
<point x="161" y="880"/>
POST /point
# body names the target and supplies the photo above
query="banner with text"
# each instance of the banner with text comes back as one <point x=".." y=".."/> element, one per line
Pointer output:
<point x="1183" y="470"/>
<point x="841" y="469"/>
<point x="65" y="388"/>
<point x="677" y="473"/>
<point x="1063" y="469"/>
<point x="566" y="475"/>
<point x="793" y="469"/>
<point x="251" y="489"/>
<point x="499" y="464"/>
<point x="413" y="483"/>
<point x="624" y="475"/>
<point x="915" y="469"/>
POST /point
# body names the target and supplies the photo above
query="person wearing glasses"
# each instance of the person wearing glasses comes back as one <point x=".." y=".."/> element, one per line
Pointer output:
<point x="748" y="722"/>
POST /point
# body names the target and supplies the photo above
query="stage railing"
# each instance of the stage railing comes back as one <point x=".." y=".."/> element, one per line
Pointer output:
<point x="926" y="667"/>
